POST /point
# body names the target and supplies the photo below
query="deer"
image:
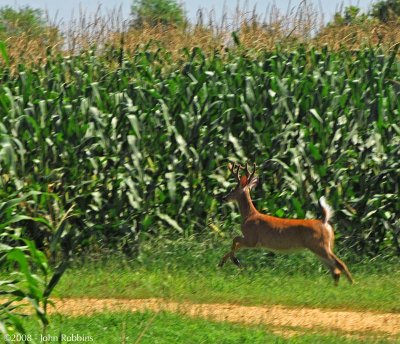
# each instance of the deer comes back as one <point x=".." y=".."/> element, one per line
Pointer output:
<point x="281" y="234"/>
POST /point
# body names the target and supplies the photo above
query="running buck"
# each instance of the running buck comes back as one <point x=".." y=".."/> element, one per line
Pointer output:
<point x="277" y="234"/>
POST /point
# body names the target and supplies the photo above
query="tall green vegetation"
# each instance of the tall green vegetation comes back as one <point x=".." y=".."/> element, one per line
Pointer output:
<point x="351" y="15"/>
<point x="25" y="21"/>
<point x="383" y="11"/>
<point x="30" y="278"/>
<point x="155" y="12"/>
<point x="25" y="31"/>
<point x="141" y="150"/>
<point x="386" y="10"/>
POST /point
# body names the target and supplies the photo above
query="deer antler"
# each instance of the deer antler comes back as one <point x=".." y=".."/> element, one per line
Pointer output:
<point x="232" y="169"/>
<point x="248" y="174"/>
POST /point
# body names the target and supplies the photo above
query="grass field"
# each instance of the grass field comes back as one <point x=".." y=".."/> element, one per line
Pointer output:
<point x="168" y="328"/>
<point x="187" y="270"/>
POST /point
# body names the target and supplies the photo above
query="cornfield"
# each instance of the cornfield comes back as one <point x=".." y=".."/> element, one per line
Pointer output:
<point x="137" y="143"/>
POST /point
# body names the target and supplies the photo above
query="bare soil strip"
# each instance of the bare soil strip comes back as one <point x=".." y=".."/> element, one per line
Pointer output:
<point x="277" y="316"/>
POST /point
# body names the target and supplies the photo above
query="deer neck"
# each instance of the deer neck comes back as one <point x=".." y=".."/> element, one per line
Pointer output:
<point x="246" y="206"/>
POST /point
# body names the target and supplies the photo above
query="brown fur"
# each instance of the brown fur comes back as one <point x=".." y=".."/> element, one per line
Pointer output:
<point x="285" y="235"/>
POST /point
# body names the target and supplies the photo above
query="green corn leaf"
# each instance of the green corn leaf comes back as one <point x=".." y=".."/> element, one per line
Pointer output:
<point x="4" y="54"/>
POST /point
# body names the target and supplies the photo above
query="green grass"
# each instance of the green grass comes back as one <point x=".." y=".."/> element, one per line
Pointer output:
<point x="186" y="270"/>
<point x="171" y="328"/>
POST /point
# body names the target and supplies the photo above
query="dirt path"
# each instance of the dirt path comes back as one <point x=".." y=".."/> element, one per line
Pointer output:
<point x="277" y="316"/>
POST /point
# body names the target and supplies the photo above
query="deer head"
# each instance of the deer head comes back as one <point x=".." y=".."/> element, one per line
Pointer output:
<point x="245" y="183"/>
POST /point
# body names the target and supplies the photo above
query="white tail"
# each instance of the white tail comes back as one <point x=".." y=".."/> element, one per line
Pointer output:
<point x="327" y="211"/>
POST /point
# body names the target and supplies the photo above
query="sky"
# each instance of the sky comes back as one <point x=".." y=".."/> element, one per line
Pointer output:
<point x="63" y="9"/>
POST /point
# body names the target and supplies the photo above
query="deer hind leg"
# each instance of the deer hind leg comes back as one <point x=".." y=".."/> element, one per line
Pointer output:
<point x="236" y="245"/>
<point x="342" y="266"/>
<point x="335" y="265"/>
<point x="335" y="272"/>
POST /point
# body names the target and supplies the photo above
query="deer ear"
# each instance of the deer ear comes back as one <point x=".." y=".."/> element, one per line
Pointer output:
<point x="253" y="183"/>
<point x="243" y="181"/>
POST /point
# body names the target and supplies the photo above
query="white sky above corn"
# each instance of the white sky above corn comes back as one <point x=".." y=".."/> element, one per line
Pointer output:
<point x="63" y="9"/>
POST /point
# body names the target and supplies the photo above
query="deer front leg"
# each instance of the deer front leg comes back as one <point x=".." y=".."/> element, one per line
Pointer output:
<point x="236" y="245"/>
